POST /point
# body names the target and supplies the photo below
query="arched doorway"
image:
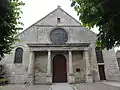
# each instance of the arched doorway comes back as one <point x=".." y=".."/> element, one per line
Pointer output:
<point x="59" y="69"/>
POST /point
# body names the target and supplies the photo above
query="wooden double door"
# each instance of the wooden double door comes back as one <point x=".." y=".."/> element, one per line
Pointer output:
<point x="59" y="69"/>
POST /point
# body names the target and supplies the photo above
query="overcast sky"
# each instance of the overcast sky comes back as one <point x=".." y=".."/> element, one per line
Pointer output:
<point x="34" y="10"/>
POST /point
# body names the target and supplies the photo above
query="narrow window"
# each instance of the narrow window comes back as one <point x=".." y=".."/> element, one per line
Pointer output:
<point x="99" y="55"/>
<point x="18" y="55"/>
<point x="118" y="60"/>
<point x="58" y="20"/>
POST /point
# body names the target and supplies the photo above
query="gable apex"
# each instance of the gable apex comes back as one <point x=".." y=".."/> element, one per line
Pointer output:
<point x="51" y="18"/>
<point x="46" y="19"/>
<point x="58" y="6"/>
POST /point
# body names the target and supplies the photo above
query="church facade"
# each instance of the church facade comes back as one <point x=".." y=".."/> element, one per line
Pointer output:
<point x="58" y="49"/>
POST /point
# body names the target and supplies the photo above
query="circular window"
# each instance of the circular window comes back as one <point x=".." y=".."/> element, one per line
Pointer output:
<point x="59" y="36"/>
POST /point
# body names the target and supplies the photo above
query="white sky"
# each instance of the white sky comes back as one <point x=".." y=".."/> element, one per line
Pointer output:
<point x="34" y="10"/>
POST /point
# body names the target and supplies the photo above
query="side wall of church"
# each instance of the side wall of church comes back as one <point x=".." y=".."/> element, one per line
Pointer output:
<point x="111" y="66"/>
<point x="17" y="72"/>
<point x="93" y="62"/>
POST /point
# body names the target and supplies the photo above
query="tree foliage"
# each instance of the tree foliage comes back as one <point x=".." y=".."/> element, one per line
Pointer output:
<point x="104" y="14"/>
<point x="9" y="24"/>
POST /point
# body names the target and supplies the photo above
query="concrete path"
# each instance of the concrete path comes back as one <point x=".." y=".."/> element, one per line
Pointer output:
<point x="61" y="86"/>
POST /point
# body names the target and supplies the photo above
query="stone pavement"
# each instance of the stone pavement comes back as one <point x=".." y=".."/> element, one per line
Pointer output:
<point x="61" y="86"/>
<point x="58" y="86"/>
<point x="115" y="84"/>
<point x="65" y="86"/>
<point x="97" y="86"/>
<point x="23" y="87"/>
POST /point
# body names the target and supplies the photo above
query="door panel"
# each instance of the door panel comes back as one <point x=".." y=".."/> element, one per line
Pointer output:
<point x="101" y="72"/>
<point x="59" y="69"/>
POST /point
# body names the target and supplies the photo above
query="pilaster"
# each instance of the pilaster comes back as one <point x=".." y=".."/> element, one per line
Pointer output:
<point x="49" y="74"/>
<point x="87" y="64"/>
<point x="31" y="69"/>
<point x="71" y="76"/>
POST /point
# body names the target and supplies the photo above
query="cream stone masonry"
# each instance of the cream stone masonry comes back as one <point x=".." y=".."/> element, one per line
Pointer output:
<point x="49" y="74"/>
<point x="87" y="64"/>
<point x="49" y="64"/>
<point x="31" y="68"/>
<point x="71" y="74"/>
<point x="70" y="63"/>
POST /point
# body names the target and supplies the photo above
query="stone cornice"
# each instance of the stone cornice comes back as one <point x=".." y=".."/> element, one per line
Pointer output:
<point x="58" y="26"/>
<point x="60" y="45"/>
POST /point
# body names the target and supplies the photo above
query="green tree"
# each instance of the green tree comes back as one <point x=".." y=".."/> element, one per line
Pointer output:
<point x="3" y="6"/>
<point x="105" y="14"/>
<point x="9" y="24"/>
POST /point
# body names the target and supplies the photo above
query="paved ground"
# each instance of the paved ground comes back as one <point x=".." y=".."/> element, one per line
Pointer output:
<point x="117" y="84"/>
<point x="65" y="86"/>
<point x="61" y="86"/>
<point x="97" y="86"/>
<point x="22" y="87"/>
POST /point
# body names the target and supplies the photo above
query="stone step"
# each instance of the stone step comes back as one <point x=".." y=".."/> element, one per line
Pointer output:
<point x="61" y="86"/>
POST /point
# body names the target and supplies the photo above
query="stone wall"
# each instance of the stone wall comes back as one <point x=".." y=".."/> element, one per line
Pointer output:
<point x="40" y="32"/>
<point x="111" y="66"/>
<point x="51" y="19"/>
<point x="75" y="34"/>
<point x="41" y="59"/>
<point x="118" y="54"/>
<point x="78" y="63"/>
<point x="93" y="61"/>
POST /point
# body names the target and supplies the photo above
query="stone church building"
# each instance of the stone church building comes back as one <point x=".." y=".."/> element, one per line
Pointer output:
<point x="58" y="49"/>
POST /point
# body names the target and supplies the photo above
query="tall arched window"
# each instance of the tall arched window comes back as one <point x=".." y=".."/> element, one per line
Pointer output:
<point x="18" y="55"/>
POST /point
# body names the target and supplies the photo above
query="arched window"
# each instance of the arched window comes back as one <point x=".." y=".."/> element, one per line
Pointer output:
<point x="18" y="55"/>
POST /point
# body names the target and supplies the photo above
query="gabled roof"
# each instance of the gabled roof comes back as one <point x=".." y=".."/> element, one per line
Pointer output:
<point x="50" y="14"/>
<point x="56" y="10"/>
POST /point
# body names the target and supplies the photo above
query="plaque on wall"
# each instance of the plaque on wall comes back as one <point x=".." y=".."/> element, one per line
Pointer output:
<point x="77" y="69"/>
<point x="58" y="36"/>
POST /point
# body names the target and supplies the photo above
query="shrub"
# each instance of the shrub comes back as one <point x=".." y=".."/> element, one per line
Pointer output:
<point x="3" y="81"/>
<point x="3" y="76"/>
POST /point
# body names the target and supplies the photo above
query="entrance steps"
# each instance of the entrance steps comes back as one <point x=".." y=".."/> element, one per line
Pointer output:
<point x="61" y="86"/>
